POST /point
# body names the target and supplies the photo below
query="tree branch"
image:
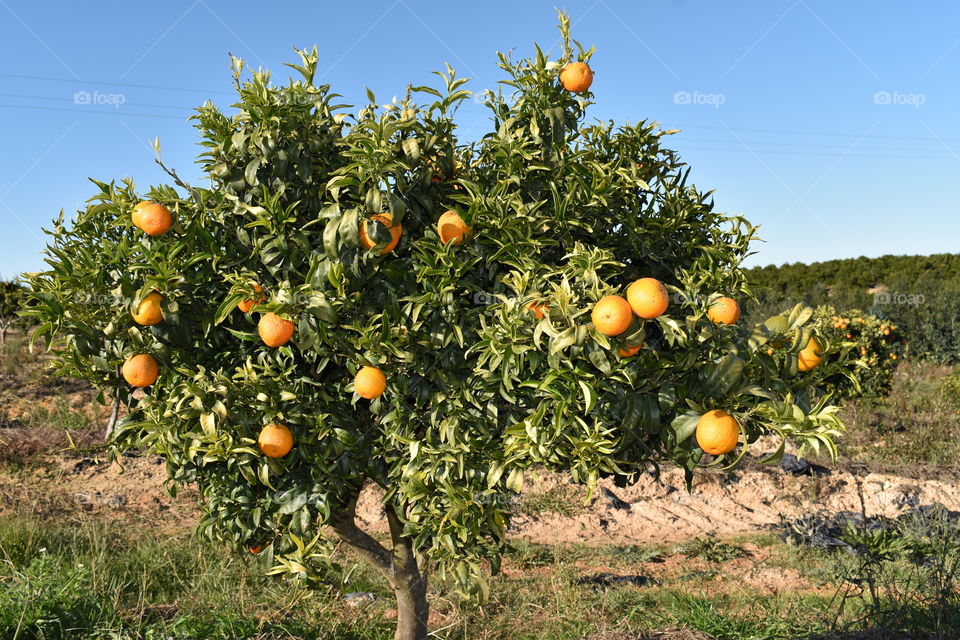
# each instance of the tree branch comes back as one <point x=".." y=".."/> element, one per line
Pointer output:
<point x="371" y="550"/>
<point x="173" y="174"/>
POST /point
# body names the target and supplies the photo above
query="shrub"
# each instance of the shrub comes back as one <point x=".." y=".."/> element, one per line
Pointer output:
<point x="877" y="346"/>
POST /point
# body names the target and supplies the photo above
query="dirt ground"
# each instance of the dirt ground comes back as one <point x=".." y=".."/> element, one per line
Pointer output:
<point x="656" y="510"/>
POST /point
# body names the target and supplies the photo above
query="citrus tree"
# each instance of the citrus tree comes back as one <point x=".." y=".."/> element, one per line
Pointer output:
<point x="875" y="347"/>
<point x="12" y="296"/>
<point x="367" y="299"/>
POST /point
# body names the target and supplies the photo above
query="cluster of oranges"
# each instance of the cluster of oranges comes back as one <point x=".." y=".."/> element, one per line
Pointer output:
<point x="275" y="440"/>
<point x="717" y="431"/>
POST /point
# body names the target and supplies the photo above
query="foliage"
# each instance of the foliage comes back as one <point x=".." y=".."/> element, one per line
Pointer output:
<point x="918" y="294"/>
<point x="950" y="389"/>
<point x="906" y="573"/>
<point x="876" y="345"/>
<point x="479" y="390"/>
<point x="915" y="426"/>
<point x="12" y="297"/>
<point x="710" y="549"/>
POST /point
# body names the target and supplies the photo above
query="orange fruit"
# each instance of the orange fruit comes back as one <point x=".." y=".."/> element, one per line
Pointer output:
<point x="630" y="349"/>
<point x="275" y="440"/>
<point x="724" y="311"/>
<point x="369" y="383"/>
<point x="717" y="432"/>
<point x="274" y="330"/>
<point x="612" y="315"/>
<point x="246" y="305"/>
<point x="140" y="370"/>
<point x="439" y="171"/>
<point x="452" y="228"/>
<point x="256" y="549"/>
<point x="809" y="357"/>
<point x="576" y="77"/>
<point x="152" y="218"/>
<point x="148" y="312"/>
<point x="386" y="219"/>
<point x="538" y="309"/>
<point x="648" y="298"/>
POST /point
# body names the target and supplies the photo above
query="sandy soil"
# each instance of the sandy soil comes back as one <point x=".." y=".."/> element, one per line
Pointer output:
<point x="660" y="510"/>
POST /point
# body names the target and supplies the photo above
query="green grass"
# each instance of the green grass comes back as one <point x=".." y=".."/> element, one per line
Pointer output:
<point x="103" y="581"/>
<point x="710" y="549"/>
<point x="562" y="499"/>
<point x="918" y="424"/>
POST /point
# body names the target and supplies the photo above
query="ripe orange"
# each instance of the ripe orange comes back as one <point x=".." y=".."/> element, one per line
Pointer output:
<point x="439" y="171"/>
<point x="274" y="330"/>
<point x="630" y="349"/>
<point x="538" y="309"/>
<point x="717" y="432"/>
<point x="724" y="311"/>
<point x="246" y="305"/>
<point x="275" y="440"/>
<point x="612" y="315"/>
<point x="148" y="312"/>
<point x="152" y="218"/>
<point x="452" y="228"/>
<point x="386" y="219"/>
<point x="140" y="370"/>
<point x="369" y="383"/>
<point x="809" y="357"/>
<point x="576" y="77"/>
<point x="256" y="549"/>
<point x="648" y="298"/>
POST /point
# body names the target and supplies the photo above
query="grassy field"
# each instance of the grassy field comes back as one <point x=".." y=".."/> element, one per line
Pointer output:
<point x="97" y="580"/>
<point x="69" y="574"/>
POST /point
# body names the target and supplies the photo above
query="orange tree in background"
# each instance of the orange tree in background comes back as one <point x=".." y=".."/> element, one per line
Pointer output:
<point x="369" y="299"/>
<point x="875" y="344"/>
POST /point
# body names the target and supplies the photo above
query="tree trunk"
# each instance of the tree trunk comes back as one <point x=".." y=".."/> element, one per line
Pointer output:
<point x="398" y="565"/>
<point x="409" y="585"/>
<point x="114" y="414"/>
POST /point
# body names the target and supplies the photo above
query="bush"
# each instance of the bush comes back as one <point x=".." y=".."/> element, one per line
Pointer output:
<point x="877" y="346"/>
<point x="950" y="389"/>
<point x="904" y="574"/>
<point x="918" y="294"/>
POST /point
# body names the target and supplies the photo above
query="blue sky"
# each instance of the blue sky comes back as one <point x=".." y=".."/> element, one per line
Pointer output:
<point x="833" y="125"/>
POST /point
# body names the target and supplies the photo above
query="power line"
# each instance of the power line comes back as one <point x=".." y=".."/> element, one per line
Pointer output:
<point x="111" y="84"/>
<point x="90" y="111"/>
<point x="828" y="155"/>
<point x="73" y="100"/>
<point x="748" y="143"/>
<point x="815" y="133"/>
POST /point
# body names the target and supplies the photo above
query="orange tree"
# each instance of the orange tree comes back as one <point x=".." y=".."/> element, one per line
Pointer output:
<point x="315" y="329"/>
<point x="874" y="343"/>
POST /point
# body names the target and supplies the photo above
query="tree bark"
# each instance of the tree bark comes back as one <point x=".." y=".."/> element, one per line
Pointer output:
<point x="114" y="414"/>
<point x="398" y="565"/>
<point x="409" y="585"/>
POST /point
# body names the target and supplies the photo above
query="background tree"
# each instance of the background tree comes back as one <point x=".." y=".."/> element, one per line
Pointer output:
<point x="12" y="297"/>
<point x="326" y="224"/>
